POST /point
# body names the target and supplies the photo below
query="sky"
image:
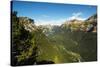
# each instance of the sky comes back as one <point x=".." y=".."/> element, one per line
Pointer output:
<point x="52" y="13"/>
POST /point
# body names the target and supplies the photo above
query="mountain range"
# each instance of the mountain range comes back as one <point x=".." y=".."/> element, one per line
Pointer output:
<point x="73" y="41"/>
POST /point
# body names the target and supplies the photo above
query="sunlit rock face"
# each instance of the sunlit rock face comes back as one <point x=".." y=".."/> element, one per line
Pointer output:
<point x="93" y="21"/>
<point x="27" y="23"/>
<point x="88" y="25"/>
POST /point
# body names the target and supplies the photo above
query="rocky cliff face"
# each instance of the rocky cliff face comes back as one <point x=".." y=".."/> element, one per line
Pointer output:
<point x="88" y="25"/>
<point x="92" y="27"/>
<point x="27" y="23"/>
<point x="92" y="18"/>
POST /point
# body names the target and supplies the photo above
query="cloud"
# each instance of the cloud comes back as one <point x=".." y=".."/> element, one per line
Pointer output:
<point x="51" y="22"/>
<point x="76" y="16"/>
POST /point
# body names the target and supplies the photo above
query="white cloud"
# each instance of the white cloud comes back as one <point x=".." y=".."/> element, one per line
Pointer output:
<point x="51" y="22"/>
<point x="76" y="16"/>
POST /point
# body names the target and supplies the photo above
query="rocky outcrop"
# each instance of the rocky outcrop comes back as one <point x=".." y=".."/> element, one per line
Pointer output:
<point x="27" y="23"/>
<point x="88" y="25"/>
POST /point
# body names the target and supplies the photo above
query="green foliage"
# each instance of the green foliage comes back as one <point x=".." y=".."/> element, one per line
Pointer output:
<point x="23" y="43"/>
<point x="88" y="47"/>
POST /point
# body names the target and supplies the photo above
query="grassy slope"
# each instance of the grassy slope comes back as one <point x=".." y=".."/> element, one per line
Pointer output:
<point x="57" y="48"/>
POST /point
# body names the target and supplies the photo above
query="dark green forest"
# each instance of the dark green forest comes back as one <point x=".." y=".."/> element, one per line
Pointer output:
<point x="34" y="45"/>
